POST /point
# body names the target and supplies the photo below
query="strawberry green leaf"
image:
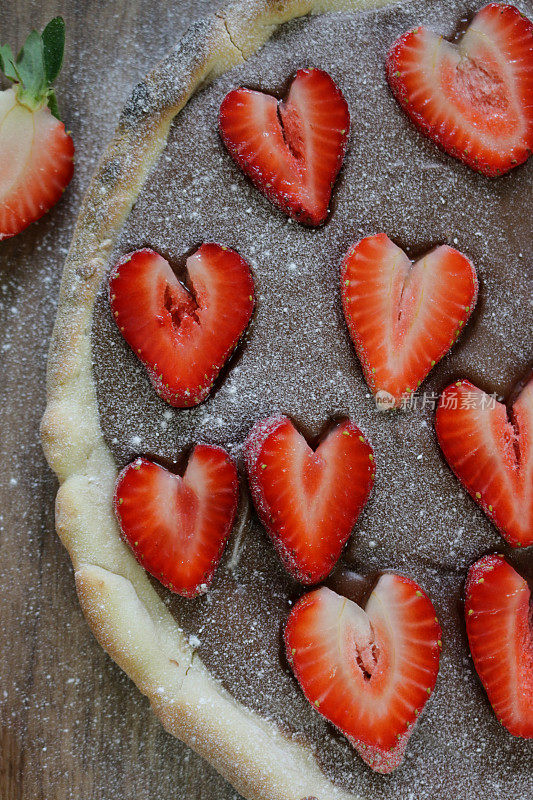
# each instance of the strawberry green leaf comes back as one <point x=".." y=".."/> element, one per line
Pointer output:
<point x="7" y="63"/>
<point x="30" y="69"/>
<point x="52" y="104"/>
<point x="53" y="38"/>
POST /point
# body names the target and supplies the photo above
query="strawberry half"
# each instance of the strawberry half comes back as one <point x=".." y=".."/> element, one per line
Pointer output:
<point x="293" y="149"/>
<point x="473" y="99"/>
<point x="404" y="317"/>
<point x="308" y="500"/>
<point x="500" y="634"/>
<point x="370" y="672"/>
<point x="183" y="336"/>
<point x="178" y="526"/>
<point x="36" y="152"/>
<point x="491" y="454"/>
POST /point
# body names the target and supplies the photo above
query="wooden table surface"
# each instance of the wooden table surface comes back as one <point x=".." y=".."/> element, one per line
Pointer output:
<point x="72" y="725"/>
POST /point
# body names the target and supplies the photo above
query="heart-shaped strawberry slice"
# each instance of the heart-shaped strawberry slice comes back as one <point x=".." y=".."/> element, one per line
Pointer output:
<point x="404" y="317"/>
<point x="473" y="99"/>
<point x="500" y="633"/>
<point x="308" y="500"/>
<point x="370" y="672"/>
<point x="178" y="526"/>
<point x="182" y="335"/>
<point x="293" y="149"/>
<point x="492" y="454"/>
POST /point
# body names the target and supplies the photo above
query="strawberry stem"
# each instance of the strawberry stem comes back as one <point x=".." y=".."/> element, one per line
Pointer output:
<point x="37" y="66"/>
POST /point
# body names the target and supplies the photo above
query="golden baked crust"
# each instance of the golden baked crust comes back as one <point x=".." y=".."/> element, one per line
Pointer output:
<point x="122" y="608"/>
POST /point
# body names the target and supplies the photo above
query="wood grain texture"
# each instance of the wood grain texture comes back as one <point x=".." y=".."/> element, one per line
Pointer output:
<point x="72" y="725"/>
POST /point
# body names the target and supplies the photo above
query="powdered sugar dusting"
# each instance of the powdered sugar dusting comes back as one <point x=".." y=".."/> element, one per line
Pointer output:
<point x="297" y="360"/>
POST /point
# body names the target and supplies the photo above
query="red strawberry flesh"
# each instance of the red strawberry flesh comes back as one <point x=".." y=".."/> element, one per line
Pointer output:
<point x="499" y="626"/>
<point x="369" y="672"/>
<point x="404" y="317"/>
<point x="308" y="500"/>
<point x="473" y="99"/>
<point x="178" y="526"/>
<point x="292" y="150"/>
<point x="491" y="454"/>
<point x="183" y="337"/>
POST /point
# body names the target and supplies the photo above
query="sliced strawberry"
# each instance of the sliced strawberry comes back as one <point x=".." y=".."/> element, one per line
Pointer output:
<point x="36" y="152"/>
<point x="308" y="500"/>
<point x="369" y="672"/>
<point x="500" y="633"/>
<point x="473" y="99"/>
<point x="36" y="163"/>
<point x="183" y="337"/>
<point x="491" y="454"/>
<point x="178" y="526"/>
<point x="293" y="149"/>
<point x="404" y="317"/>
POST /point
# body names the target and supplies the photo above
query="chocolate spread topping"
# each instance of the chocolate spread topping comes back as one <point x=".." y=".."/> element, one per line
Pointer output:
<point x="297" y="359"/>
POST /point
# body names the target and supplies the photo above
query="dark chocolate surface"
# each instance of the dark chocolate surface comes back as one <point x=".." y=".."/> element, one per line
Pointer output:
<point x="297" y="359"/>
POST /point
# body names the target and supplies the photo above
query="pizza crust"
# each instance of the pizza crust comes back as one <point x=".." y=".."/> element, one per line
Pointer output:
<point x="120" y="604"/>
